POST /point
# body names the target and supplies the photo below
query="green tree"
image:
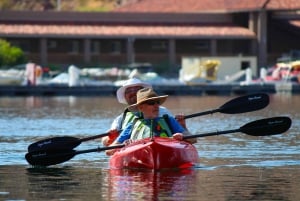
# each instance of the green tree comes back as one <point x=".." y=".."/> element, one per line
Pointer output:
<point x="10" y="55"/>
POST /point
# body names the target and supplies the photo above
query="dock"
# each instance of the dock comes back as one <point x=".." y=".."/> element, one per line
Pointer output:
<point x="175" y="90"/>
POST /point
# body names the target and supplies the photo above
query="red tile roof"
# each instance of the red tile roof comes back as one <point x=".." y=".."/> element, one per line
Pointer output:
<point x="98" y="31"/>
<point x="196" y="6"/>
<point x="208" y="30"/>
<point x="284" y="5"/>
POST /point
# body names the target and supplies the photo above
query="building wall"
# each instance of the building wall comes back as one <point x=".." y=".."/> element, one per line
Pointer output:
<point x="113" y="51"/>
<point x="281" y="37"/>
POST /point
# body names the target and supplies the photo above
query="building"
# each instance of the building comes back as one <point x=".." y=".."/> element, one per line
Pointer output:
<point x="156" y="32"/>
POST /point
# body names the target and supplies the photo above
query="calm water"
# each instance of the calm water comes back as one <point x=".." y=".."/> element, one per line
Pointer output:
<point x="232" y="166"/>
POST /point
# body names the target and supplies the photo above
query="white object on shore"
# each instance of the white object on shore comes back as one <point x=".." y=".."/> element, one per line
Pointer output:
<point x="263" y="73"/>
<point x="248" y="75"/>
<point x="73" y="76"/>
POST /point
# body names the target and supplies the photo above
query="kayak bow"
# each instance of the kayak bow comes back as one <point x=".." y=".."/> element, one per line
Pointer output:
<point x="157" y="153"/>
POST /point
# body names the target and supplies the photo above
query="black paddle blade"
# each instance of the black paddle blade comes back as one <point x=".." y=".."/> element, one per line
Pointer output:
<point x="53" y="157"/>
<point x="246" y="103"/>
<point x="55" y="143"/>
<point x="46" y="158"/>
<point x="269" y="126"/>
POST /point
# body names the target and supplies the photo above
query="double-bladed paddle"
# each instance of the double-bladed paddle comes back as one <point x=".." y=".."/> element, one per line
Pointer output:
<point x="242" y="104"/>
<point x="237" y="105"/>
<point x="263" y="127"/>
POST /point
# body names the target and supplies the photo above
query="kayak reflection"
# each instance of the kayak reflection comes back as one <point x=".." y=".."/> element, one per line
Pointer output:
<point x="128" y="184"/>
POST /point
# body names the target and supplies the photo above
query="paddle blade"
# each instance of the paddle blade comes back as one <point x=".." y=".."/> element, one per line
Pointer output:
<point x="269" y="126"/>
<point x="55" y="143"/>
<point x="46" y="158"/>
<point x="246" y="103"/>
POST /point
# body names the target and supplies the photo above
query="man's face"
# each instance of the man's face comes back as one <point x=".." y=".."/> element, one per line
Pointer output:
<point x="150" y="109"/>
<point x="130" y="94"/>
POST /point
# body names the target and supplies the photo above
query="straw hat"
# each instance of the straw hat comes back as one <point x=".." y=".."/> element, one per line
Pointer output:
<point x="146" y="94"/>
<point x="129" y="83"/>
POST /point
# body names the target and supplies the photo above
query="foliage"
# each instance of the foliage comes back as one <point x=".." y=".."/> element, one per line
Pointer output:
<point x="10" y="55"/>
<point x="69" y="5"/>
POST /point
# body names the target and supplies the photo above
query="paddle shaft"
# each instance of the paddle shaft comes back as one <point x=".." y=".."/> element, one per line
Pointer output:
<point x="212" y="133"/>
<point x="202" y="113"/>
<point x="99" y="149"/>
<point x="93" y="137"/>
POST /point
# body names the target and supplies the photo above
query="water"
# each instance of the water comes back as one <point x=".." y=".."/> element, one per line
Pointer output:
<point x="232" y="166"/>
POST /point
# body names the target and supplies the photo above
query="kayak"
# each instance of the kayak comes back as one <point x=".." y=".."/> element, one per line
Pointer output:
<point x="155" y="153"/>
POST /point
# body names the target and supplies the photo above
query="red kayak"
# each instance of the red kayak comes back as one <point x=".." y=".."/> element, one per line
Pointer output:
<point x="157" y="153"/>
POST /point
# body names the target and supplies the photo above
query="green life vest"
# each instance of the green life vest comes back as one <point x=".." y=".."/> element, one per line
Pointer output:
<point x="142" y="129"/>
<point x="128" y="117"/>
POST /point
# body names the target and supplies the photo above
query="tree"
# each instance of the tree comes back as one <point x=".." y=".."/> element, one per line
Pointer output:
<point x="10" y="55"/>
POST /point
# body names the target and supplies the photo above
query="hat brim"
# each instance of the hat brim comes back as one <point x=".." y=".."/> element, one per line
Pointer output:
<point x="121" y="91"/>
<point x="161" y="99"/>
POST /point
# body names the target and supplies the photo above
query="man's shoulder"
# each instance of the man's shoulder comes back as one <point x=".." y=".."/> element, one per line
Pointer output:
<point x="164" y="110"/>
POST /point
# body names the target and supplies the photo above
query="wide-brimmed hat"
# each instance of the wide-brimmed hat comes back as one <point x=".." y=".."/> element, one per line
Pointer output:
<point x="127" y="84"/>
<point x="147" y="94"/>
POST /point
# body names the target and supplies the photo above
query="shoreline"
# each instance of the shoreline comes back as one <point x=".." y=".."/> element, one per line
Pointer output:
<point x="175" y="90"/>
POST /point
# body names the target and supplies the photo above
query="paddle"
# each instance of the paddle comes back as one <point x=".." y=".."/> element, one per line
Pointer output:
<point x="60" y="143"/>
<point x="263" y="127"/>
<point x="242" y="104"/>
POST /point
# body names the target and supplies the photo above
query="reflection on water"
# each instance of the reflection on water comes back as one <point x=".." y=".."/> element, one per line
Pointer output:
<point x="64" y="183"/>
<point x="203" y="184"/>
<point x="148" y="185"/>
<point x="232" y="167"/>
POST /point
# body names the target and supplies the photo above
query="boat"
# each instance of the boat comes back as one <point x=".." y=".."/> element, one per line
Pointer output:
<point x="155" y="153"/>
<point x="197" y="72"/>
<point x="12" y="77"/>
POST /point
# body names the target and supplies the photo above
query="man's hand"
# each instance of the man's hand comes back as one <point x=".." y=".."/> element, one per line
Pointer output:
<point x="113" y="134"/>
<point x="178" y="136"/>
<point x="181" y="120"/>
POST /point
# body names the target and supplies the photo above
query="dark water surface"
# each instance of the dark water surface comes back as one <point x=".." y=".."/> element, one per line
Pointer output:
<point x="232" y="166"/>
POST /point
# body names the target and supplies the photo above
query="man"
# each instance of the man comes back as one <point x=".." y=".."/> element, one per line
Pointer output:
<point x="150" y="124"/>
<point x="127" y="95"/>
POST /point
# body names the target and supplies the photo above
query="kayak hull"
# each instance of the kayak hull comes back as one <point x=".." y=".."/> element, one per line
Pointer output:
<point x="157" y="153"/>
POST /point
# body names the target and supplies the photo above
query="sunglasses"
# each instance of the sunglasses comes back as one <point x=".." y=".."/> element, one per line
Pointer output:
<point x="152" y="102"/>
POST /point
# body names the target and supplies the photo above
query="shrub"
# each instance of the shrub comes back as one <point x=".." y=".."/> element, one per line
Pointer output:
<point x="10" y="55"/>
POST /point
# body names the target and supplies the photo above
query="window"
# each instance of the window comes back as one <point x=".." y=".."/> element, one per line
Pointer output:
<point x="116" y="47"/>
<point x="52" y="44"/>
<point x="95" y="47"/>
<point x="245" y="65"/>
<point x="159" y="45"/>
<point x="74" y="47"/>
<point x="202" y="45"/>
<point x="23" y="44"/>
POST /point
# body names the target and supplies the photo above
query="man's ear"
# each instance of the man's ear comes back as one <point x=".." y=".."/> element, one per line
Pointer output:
<point x="140" y="107"/>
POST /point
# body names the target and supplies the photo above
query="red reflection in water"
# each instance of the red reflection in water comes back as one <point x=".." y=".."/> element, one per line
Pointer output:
<point x="150" y="185"/>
